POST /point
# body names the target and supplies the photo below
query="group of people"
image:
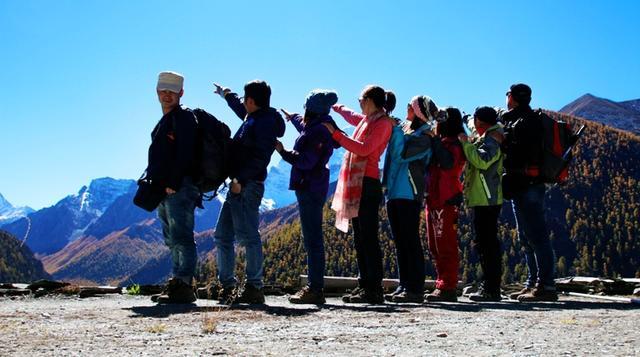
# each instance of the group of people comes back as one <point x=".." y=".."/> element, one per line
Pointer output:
<point x="427" y="155"/>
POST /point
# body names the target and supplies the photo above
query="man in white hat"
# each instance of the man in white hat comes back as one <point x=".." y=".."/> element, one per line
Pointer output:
<point x="172" y="166"/>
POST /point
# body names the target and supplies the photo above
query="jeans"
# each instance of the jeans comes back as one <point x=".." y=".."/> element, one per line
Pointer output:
<point x="365" y="235"/>
<point x="485" y="224"/>
<point x="310" y="205"/>
<point x="404" y="218"/>
<point x="176" y="214"/>
<point x="528" y="209"/>
<point x="238" y="221"/>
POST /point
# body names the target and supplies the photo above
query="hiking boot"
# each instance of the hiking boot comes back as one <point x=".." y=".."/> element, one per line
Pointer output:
<point x="484" y="295"/>
<point x="389" y="297"/>
<point x="442" y="296"/>
<point x="308" y="296"/>
<point x="355" y="292"/>
<point x="539" y="293"/>
<point x="251" y="295"/>
<point x="228" y="295"/>
<point x="525" y="290"/>
<point x="407" y="296"/>
<point x="177" y="292"/>
<point x="367" y="296"/>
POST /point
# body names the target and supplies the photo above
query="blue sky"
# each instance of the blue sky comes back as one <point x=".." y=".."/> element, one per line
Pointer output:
<point x="78" y="78"/>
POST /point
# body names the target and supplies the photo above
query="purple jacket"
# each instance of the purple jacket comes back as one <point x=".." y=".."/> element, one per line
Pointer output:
<point x="310" y="155"/>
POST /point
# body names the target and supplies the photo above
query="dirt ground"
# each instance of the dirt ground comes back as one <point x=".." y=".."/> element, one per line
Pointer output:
<point x="133" y="325"/>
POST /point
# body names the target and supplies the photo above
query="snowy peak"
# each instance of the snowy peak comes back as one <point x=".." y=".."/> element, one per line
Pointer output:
<point x="98" y="196"/>
<point x="621" y="115"/>
<point x="9" y="213"/>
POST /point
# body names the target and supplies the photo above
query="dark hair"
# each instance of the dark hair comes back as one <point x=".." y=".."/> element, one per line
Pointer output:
<point x="259" y="91"/>
<point x="453" y="125"/>
<point x="310" y="116"/>
<point x="486" y="115"/>
<point x="521" y="93"/>
<point x="381" y="98"/>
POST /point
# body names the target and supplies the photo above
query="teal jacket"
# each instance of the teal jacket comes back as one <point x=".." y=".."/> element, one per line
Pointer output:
<point x="483" y="175"/>
<point x="405" y="164"/>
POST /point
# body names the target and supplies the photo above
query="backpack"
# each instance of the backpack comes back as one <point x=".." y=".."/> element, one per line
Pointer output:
<point x="557" y="144"/>
<point x="213" y="151"/>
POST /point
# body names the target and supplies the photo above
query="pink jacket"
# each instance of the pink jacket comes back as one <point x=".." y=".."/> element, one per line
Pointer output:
<point x="374" y="145"/>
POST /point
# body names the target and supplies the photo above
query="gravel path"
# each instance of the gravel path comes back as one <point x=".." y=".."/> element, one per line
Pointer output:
<point x="133" y="325"/>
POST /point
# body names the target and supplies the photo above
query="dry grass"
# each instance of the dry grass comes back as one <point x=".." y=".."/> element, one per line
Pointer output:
<point x="157" y="328"/>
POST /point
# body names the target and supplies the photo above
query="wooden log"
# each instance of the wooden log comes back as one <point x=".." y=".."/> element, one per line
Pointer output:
<point x="606" y="298"/>
<point x="581" y="284"/>
<point x="88" y="291"/>
<point x="15" y="292"/>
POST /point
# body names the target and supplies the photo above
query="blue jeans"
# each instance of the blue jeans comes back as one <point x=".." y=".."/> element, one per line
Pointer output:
<point x="176" y="214"/>
<point x="238" y="221"/>
<point x="528" y="209"/>
<point x="310" y="205"/>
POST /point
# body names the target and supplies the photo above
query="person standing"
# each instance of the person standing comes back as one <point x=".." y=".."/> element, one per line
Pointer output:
<point x="483" y="193"/>
<point x="522" y="185"/>
<point x="172" y="165"/>
<point x="251" y="150"/>
<point x="310" y="181"/>
<point x="444" y="197"/>
<point x="359" y="192"/>
<point x="408" y="155"/>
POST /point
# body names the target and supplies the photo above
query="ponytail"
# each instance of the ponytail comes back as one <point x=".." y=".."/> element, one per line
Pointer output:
<point x="390" y="102"/>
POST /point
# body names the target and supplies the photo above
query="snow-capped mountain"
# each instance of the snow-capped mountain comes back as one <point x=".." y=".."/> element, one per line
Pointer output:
<point x="51" y="228"/>
<point x="9" y="213"/>
<point x="622" y="115"/>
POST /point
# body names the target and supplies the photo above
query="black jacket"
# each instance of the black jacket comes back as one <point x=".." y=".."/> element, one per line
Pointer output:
<point x="522" y="147"/>
<point x="254" y="142"/>
<point x="172" y="150"/>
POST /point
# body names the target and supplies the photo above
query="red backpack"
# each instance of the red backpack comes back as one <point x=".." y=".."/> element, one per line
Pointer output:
<point x="557" y="145"/>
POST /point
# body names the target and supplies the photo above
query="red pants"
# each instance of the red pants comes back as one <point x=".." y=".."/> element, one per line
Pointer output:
<point x="442" y="237"/>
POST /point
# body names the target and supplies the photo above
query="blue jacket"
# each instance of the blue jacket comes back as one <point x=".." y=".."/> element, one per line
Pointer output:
<point x="254" y="142"/>
<point x="403" y="178"/>
<point x="310" y="154"/>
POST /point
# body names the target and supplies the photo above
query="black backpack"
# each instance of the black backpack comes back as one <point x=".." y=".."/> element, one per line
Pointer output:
<point x="213" y="149"/>
<point x="558" y="142"/>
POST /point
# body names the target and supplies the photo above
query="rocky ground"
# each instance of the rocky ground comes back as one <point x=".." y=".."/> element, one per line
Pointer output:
<point x="133" y="325"/>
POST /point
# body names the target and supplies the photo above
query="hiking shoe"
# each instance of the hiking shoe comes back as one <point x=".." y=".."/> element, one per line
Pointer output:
<point x="484" y="295"/>
<point x="251" y="295"/>
<point x="525" y="290"/>
<point x="442" y="296"/>
<point x="177" y="292"/>
<point x="355" y="292"/>
<point x="367" y="296"/>
<point x="407" y="296"/>
<point x="539" y="293"/>
<point x="228" y="295"/>
<point x="389" y="297"/>
<point x="308" y="296"/>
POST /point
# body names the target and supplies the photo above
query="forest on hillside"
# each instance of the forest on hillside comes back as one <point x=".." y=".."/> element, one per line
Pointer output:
<point x="593" y="222"/>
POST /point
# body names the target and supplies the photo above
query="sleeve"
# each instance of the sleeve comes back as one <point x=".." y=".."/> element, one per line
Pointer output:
<point x="296" y="120"/>
<point x="416" y="148"/>
<point x="443" y="157"/>
<point x="185" y="136"/>
<point x="349" y="115"/>
<point x="483" y="155"/>
<point x="236" y="105"/>
<point x="381" y="130"/>
<point x="308" y="157"/>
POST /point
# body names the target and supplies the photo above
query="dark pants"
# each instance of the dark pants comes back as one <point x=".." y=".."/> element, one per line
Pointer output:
<point x="485" y="223"/>
<point x="404" y="218"/>
<point x="365" y="235"/>
<point x="310" y="205"/>
<point x="528" y="208"/>
<point x="176" y="214"/>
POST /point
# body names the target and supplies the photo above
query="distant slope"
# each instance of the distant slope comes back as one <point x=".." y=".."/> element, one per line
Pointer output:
<point x="621" y="115"/>
<point x="17" y="263"/>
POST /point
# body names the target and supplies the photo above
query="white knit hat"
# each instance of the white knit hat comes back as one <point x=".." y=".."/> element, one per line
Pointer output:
<point x="170" y="81"/>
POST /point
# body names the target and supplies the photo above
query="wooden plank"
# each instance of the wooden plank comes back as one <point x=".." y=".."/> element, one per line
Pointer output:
<point x="345" y="283"/>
